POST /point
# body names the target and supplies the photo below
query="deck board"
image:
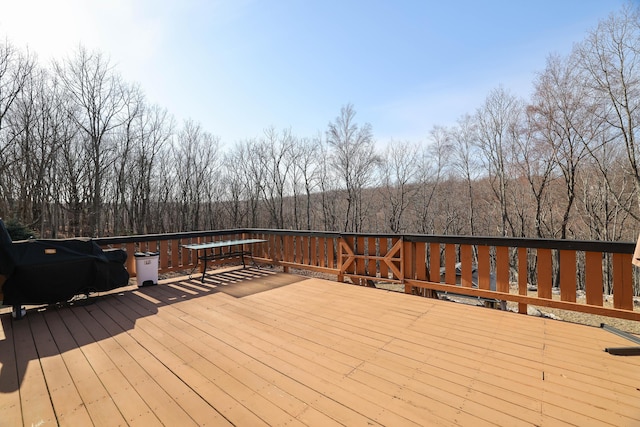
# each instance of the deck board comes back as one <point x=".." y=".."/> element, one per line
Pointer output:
<point x="9" y="382"/>
<point x="129" y="403"/>
<point x="66" y="400"/>
<point x="35" y="403"/>
<point x="257" y="347"/>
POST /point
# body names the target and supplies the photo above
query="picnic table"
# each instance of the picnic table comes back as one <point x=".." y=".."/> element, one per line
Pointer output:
<point x="214" y="251"/>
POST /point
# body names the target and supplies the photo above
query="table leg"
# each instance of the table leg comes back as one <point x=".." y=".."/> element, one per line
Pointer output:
<point x="204" y="268"/>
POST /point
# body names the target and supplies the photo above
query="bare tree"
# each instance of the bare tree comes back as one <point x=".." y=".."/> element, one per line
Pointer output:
<point x="154" y="128"/>
<point x="234" y="184"/>
<point x="604" y="214"/>
<point x="465" y="161"/>
<point x="329" y="189"/>
<point x="535" y="163"/>
<point x="57" y="131"/>
<point x="566" y="123"/>
<point x="305" y="160"/>
<point x="253" y="175"/>
<point x="432" y="162"/>
<point x="354" y="160"/>
<point x="399" y="174"/>
<point x="195" y="162"/>
<point x="243" y="180"/>
<point x="37" y="126"/>
<point x="276" y="164"/>
<point x="15" y="72"/>
<point x="495" y="121"/>
<point x="98" y="101"/>
<point x="163" y="194"/>
<point x="126" y="138"/>
<point x="73" y="170"/>
<point x="610" y="58"/>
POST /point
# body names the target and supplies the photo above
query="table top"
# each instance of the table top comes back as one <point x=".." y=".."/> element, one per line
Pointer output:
<point x="222" y="244"/>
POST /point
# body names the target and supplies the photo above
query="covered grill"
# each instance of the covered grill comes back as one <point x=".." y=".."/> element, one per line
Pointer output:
<point x="49" y="271"/>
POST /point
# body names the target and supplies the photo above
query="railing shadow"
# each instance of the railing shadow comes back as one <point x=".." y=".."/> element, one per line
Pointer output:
<point x="54" y="330"/>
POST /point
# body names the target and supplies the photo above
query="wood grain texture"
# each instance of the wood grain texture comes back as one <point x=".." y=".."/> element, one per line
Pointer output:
<point x="301" y="351"/>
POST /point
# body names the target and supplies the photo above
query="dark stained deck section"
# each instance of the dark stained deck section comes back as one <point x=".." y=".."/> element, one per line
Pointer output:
<point x="257" y="347"/>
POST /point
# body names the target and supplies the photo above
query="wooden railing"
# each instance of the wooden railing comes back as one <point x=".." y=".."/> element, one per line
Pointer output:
<point x="569" y="275"/>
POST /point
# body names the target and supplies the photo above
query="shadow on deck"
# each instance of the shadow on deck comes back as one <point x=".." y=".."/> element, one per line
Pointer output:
<point x="258" y="347"/>
<point x="234" y="282"/>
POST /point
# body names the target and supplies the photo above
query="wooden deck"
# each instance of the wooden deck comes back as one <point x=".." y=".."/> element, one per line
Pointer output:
<point x="255" y="347"/>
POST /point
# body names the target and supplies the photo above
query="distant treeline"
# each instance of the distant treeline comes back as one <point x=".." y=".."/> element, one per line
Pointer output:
<point x="82" y="153"/>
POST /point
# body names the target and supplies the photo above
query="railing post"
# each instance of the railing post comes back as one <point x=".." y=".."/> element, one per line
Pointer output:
<point x="568" y="275"/>
<point x="502" y="269"/>
<point x="545" y="273"/>
<point x="131" y="261"/>
<point x="341" y="272"/>
<point x="372" y="270"/>
<point x="450" y="263"/>
<point x="434" y="262"/>
<point x="622" y="283"/>
<point x="593" y="278"/>
<point x="408" y="263"/>
<point x="288" y="251"/>
<point x="384" y="248"/>
<point x="466" y="260"/>
<point x="421" y="261"/>
<point x="164" y="254"/>
<point x="175" y="250"/>
<point x="484" y="267"/>
<point x="331" y="252"/>
<point x="523" y="269"/>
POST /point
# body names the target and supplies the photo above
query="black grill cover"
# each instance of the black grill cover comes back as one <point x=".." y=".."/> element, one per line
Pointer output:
<point x="50" y="271"/>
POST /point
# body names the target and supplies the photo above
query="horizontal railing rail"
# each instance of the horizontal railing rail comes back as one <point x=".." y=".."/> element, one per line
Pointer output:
<point x="564" y="274"/>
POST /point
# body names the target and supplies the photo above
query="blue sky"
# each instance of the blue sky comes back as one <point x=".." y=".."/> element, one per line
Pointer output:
<point x="240" y="66"/>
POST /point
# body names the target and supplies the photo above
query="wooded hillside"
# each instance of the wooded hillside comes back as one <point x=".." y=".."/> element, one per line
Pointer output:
<point x="82" y="153"/>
